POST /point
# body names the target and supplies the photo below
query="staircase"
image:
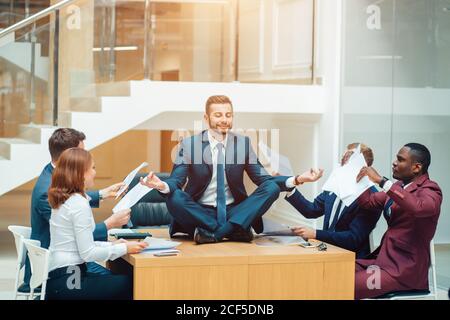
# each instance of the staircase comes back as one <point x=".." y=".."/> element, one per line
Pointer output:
<point x="19" y="54"/>
<point x="118" y="107"/>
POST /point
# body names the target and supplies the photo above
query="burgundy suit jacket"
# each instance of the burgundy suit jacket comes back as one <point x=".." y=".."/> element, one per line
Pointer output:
<point x="404" y="252"/>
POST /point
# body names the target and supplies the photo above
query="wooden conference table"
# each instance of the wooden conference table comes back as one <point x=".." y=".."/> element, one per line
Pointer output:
<point x="232" y="270"/>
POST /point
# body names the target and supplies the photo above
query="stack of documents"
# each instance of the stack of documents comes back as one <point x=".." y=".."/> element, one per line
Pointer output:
<point x="274" y="241"/>
<point x="342" y="180"/>
<point x="158" y="245"/>
<point x="277" y="234"/>
<point x="130" y="178"/>
<point x="134" y="195"/>
<point x="273" y="228"/>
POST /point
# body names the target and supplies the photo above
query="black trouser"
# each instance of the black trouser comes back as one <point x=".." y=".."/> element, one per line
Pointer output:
<point x="75" y="283"/>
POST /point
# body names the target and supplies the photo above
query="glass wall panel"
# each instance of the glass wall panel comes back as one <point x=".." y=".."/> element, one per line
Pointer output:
<point x="396" y="85"/>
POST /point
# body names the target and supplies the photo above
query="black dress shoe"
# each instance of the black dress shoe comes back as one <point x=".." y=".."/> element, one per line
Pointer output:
<point x="202" y="236"/>
<point x="258" y="225"/>
<point x="241" y="235"/>
<point x="25" y="288"/>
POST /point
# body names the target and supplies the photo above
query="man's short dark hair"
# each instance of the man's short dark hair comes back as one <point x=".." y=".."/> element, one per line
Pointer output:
<point x="420" y="154"/>
<point x="62" y="139"/>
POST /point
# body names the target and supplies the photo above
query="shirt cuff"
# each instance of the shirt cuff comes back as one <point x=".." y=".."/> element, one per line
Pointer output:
<point x="290" y="193"/>
<point x="103" y="244"/>
<point x="118" y="250"/>
<point x="166" y="189"/>
<point x="387" y="186"/>
<point x="290" y="182"/>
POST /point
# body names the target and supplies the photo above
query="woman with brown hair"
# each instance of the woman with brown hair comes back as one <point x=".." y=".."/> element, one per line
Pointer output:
<point x="71" y="241"/>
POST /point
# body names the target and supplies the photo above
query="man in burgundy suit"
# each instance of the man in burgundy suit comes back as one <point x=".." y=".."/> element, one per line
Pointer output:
<point x="411" y="207"/>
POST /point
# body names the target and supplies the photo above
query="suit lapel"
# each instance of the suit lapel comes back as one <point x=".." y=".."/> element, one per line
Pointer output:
<point x="230" y="152"/>
<point x="206" y="149"/>
<point x="411" y="188"/>
<point x="345" y="210"/>
<point x="331" y="200"/>
<point x="50" y="168"/>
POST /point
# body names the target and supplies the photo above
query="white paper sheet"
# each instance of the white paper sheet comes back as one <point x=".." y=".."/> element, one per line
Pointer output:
<point x="278" y="162"/>
<point x="131" y="198"/>
<point x="362" y="186"/>
<point x="130" y="178"/>
<point x="274" y="228"/>
<point x="342" y="180"/>
<point x="270" y="241"/>
<point x="160" y="244"/>
<point x="157" y="251"/>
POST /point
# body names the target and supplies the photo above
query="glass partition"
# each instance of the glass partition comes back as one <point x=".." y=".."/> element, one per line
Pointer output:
<point x="80" y="50"/>
<point x="396" y="86"/>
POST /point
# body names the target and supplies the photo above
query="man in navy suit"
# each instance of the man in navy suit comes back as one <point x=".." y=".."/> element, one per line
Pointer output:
<point x="346" y="227"/>
<point x="61" y="140"/>
<point x="214" y="204"/>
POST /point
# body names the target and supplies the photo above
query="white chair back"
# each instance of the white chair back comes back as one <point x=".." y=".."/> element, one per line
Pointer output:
<point x="20" y="233"/>
<point x="432" y="283"/>
<point x="39" y="260"/>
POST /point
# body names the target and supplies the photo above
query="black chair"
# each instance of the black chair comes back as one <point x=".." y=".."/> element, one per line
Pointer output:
<point x="151" y="210"/>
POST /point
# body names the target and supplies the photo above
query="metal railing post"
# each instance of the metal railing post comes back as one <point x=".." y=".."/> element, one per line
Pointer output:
<point x="112" y="42"/>
<point x="236" y="49"/>
<point x="55" y="68"/>
<point x="33" y="73"/>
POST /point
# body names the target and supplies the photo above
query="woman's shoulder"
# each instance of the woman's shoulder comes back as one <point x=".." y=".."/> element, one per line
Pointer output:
<point x="77" y="200"/>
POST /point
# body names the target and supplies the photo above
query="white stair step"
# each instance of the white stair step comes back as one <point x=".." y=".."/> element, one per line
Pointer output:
<point x="6" y="143"/>
<point x="33" y="132"/>
<point x="90" y="104"/>
<point x="109" y="89"/>
<point x="113" y="89"/>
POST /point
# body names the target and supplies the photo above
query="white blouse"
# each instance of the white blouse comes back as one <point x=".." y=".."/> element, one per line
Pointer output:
<point x="71" y="236"/>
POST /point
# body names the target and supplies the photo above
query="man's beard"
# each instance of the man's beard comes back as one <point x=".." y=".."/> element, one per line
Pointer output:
<point x="218" y="129"/>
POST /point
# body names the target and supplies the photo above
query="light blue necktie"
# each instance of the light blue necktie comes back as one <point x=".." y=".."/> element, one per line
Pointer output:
<point x="387" y="209"/>
<point x="221" y="203"/>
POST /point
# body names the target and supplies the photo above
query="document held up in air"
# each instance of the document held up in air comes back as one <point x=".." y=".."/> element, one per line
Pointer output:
<point x="342" y="180"/>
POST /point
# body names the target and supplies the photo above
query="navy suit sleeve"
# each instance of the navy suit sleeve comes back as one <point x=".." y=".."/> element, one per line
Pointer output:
<point x="308" y="209"/>
<point x="95" y="198"/>
<point x="100" y="232"/>
<point x="44" y="208"/>
<point x="358" y="232"/>
<point x="180" y="168"/>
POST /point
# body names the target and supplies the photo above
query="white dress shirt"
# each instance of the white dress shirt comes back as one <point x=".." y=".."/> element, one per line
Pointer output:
<point x="388" y="185"/>
<point x="71" y="236"/>
<point x="209" y="197"/>
<point x="334" y="210"/>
